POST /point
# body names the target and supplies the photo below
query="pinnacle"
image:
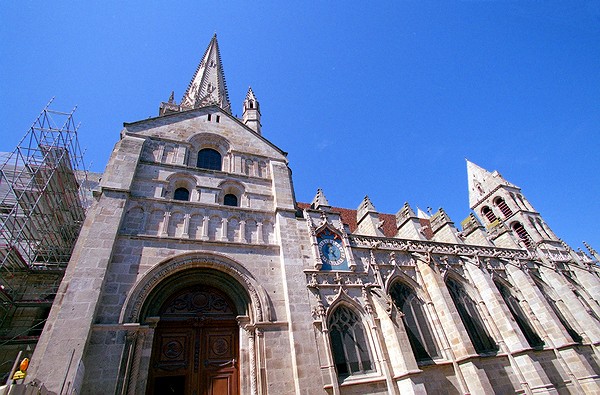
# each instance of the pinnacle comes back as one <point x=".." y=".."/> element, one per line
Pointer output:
<point x="250" y="95"/>
<point x="319" y="200"/>
<point x="422" y="214"/>
<point x="367" y="204"/>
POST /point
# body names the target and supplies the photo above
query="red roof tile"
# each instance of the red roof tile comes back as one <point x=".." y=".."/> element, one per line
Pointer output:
<point x="349" y="218"/>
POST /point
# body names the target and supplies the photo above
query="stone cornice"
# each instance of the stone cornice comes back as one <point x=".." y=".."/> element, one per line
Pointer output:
<point x="142" y="200"/>
<point x="179" y="240"/>
<point x="384" y="243"/>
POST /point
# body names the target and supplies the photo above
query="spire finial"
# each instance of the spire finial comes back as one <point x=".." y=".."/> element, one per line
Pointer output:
<point x="208" y="84"/>
<point x="482" y="181"/>
<point x="320" y="200"/>
<point x="592" y="250"/>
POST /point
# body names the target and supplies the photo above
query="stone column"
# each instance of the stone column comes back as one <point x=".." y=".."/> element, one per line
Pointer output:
<point x="160" y="153"/>
<point x="224" y="229"/>
<point x="554" y="335"/>
<point x="438" y="326"/>
<point x="508" y="334"/>
<point x="333" y="379"/>
<point x="252" y="359"/>
<point x="591" y="285"/>
<point x="473" y="379"/>
<point x="259" y="231"/>
<point x="164" y="231"/>
<point x="135" y="366"/>
<point x="186" y="226"/>
<point x="379" y="351"/>
<point x="205" y="224"/>
<point x="574" y="311"/>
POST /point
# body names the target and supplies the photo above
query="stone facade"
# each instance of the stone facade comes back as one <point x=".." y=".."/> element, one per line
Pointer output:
<point x="326" y="300"/>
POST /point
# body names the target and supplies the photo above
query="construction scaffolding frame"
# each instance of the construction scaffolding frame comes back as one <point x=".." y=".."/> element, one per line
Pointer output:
<point x="42" y="209"/>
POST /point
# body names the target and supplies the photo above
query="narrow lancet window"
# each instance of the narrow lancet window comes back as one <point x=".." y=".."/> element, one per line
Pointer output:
<point x="467" y="310"/>
<point x="415" y="322"/>
<point x="506" y="211"/>
<point x="348" y="343"/>
<point x="522" y="233"/>
<point x="519" y="315"/>
<point x="489" y="214"/>
<point x="557" y="310"/>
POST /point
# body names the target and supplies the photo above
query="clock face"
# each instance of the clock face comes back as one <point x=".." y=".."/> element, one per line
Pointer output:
<point x="331" y="252"/>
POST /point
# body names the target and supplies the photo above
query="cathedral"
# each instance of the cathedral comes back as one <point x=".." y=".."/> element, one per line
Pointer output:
<point x="197" y="272"/>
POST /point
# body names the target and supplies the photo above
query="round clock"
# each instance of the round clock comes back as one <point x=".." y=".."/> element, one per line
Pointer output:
<point x="331" y="252"/>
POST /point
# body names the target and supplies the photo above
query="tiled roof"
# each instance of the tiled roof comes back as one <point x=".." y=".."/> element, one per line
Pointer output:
<point x="349" y="218"/>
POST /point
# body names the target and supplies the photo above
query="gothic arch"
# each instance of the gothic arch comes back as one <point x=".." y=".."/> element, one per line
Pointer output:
<point x="342" y="298"/>
<point x="467" y="307"/>
<point x="410" y="302"/>
<point x="399" y="276"/>
<point x="196" y="268"/>
<point x="351" y="343"/>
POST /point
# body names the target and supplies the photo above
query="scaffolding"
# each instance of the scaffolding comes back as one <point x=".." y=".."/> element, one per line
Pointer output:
<point x="42" y="209"/>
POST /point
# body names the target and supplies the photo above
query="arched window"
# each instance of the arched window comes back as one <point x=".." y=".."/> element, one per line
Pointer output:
<point x="230" y="200"/>
<point x="506" y="211"/>
<point x="572" y="332"/>
<point x="415" y="322"/>
<point x="522" y="201"/>
<point x="181" y="194"/>
<point x="541" y="224"/>
<point x="348" y="343"/>
<point x="209" y="159"/>
<point x="559" y="314"/>
<point x="519" y="315"/>
<point x="522" y="233"/>
<point x="489" y="214"/>
<point x="467" y="310"/>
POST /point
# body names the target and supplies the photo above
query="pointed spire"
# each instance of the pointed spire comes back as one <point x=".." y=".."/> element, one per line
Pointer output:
<point x="172" y="98"/>
<point x="208" y="84"/>
<point x="367" y="219"/>
<point x="251" y="98"/>
<point x="366" y="207"/>
<point x="482" y="182"/>
<point x="319" y="201"/>
<point x="366" y="204"/>
<point x="251" y="115"/>
<point x="591" y="250"/>
<point x="404" y="213"/>
<point x="421" y="214"/>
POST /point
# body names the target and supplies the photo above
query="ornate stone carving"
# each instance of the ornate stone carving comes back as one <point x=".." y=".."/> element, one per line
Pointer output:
<point x="139" y="296"/>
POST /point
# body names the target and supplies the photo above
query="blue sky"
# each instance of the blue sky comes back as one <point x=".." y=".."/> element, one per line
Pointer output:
<point x="384" y="99"/>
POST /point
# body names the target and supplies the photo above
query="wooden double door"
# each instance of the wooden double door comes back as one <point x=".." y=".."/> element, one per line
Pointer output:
<point x="195" y="352"/>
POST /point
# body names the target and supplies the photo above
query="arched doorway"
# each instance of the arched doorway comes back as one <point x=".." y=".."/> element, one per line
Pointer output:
<point x="196" y="344"/>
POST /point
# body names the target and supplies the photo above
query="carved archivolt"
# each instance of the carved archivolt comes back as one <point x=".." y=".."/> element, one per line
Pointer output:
<point x="258" y="308"/>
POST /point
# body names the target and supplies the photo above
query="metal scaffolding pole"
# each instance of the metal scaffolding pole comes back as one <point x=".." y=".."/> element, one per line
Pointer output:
<point x="42" y="208"/>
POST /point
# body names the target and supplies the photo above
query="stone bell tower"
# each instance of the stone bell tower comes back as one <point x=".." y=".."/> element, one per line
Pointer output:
<point x="502" y="208"/>
<point x="251" y="115"/>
